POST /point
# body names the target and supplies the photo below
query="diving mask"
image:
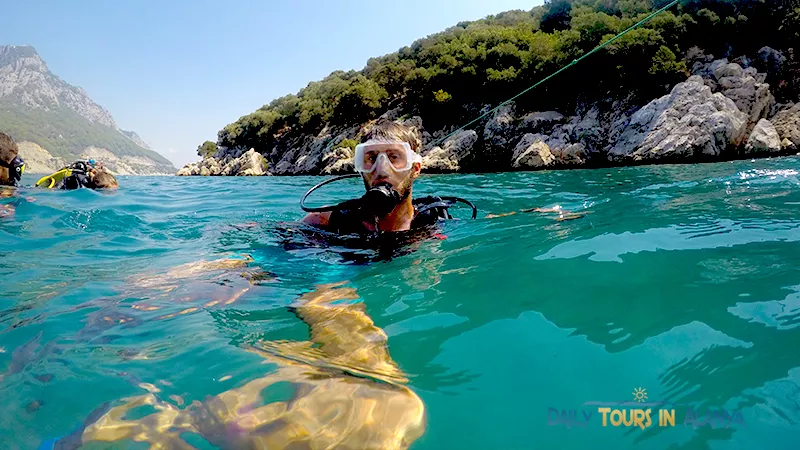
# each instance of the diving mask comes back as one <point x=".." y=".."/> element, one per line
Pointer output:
<point x="398" y="155"/>
<point x="16" y="168"/>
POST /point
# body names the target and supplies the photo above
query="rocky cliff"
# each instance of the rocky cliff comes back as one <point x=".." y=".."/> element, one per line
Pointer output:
<point x="61" y="120"/>
<point x="723" y="110"/>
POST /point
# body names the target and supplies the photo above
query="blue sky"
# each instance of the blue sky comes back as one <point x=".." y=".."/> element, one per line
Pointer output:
<point x="178" y="71"/>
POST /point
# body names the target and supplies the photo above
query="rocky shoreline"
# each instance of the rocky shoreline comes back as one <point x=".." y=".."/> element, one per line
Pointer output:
<point x="725" y="110"/>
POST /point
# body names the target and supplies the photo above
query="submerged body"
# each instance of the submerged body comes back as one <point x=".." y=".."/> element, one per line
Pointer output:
<point x="347" y="393"/>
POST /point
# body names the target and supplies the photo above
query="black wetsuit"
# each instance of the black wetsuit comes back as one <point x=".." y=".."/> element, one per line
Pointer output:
<point x="428" y="211"/>
<point x="78" y="179"/>
<point x="346" y="236"/>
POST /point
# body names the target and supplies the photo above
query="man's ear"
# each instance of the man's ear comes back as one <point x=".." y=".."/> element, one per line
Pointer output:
<point x="416" y="169"/>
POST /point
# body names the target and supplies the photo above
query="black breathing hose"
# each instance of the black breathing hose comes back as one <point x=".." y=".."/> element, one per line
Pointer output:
<point x="327" y="208"/>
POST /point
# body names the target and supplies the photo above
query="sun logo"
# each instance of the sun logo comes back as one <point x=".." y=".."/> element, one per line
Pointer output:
<point x="640" y="394"/>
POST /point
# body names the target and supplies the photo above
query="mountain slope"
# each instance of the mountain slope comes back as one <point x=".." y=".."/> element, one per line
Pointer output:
<point x="36" y="106"/>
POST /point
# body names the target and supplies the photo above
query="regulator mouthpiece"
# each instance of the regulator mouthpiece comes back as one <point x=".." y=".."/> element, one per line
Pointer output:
<point x="381" y="199"/>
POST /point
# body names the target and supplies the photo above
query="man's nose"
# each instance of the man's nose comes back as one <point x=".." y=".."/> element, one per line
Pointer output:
<point x="383" y="165"/>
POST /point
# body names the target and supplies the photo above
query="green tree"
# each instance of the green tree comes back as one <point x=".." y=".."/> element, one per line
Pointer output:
<point x="557" y="16"/>
<point x="207" y="149"/>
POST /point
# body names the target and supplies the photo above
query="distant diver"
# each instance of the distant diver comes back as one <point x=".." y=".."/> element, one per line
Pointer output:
<point x="12" y="167"/>
<point x="80" y="174"/>
<point x="388" y="161"/>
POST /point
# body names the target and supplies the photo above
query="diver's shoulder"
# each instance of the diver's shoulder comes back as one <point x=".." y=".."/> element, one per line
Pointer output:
<point x="318" y="219"/>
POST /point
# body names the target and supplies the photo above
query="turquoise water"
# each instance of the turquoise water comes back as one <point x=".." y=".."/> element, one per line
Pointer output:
<point x="682" y="280"/>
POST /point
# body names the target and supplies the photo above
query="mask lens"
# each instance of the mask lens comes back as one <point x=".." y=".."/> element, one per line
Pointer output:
<point x="396" y="154"/>
<point x="398" y="158"/>
<point x="368" y="160"/>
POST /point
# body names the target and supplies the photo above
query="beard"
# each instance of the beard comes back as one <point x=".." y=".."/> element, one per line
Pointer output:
<point x="404" y="189"/>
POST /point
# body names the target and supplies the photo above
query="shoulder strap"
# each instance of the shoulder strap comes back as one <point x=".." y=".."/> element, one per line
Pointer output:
<point x="430" y="209"/>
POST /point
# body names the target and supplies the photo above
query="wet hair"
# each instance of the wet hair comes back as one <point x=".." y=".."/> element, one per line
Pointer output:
<point x="104" y="180"/>
<point x="388" y="130"/>
<point x="8" y="148"/>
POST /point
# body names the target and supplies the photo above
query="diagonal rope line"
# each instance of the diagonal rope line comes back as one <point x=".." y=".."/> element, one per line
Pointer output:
<point x="574" y="61"/>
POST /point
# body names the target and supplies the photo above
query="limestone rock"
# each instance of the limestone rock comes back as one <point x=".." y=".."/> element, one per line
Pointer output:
<point x="724" y="70"/>
<point x="688" y="122"/>
<point x="249" y="163"/>
<point x="750" y="96"/>
<point x="574" y="154"/>
<point x="498" y="134"/>
<point x="770" y="60"/>
<point x="338" y="161"/>
<point x="532" y="153"/>
<point x="764" y="138"/>
<point x="541" y="122"/>
<point x="455" y="150"/>
<point x="787" y="123"/>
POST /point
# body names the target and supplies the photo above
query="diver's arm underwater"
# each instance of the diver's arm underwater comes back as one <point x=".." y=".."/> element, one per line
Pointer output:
<point x="347" y="393"/>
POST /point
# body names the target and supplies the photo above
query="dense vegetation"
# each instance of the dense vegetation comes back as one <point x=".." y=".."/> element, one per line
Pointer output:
<point x="65" y="133"/>
<point x="448" y="77"/>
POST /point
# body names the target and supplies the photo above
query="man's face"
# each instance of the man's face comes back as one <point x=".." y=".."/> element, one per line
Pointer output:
<point x="388" y="168"/>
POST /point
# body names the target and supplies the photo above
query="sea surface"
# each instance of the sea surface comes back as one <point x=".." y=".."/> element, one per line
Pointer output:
<point x="682" y="281"/>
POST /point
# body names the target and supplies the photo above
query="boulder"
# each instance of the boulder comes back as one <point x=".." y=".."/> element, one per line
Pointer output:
<point x="498" y="134"/>
<point x="727" y="70"/>
<point x="574" y="154"/>
<point x="764" y="138"/>
<point x="453" y="152"/>
<point x="770" y="61"/>
<point x="532" y="152"/>
<point x="249" y="163"/>
<point x="787" y="124"/>
<point x="589" y="131"/>
<point x="252" y="164"/>
<point x="338" y="161"/>
<point x="750" y="96"/>
<point x="688" y="122"/>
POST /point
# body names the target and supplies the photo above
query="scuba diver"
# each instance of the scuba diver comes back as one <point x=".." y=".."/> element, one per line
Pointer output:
<point x="12" y="167"/>
<point x="388" y="162"/>
<point x="88" y="174"/>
